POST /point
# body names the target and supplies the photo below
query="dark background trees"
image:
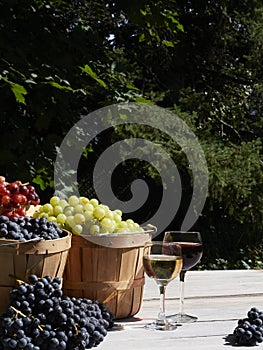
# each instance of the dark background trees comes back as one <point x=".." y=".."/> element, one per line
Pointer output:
<point x="201" y="59"/>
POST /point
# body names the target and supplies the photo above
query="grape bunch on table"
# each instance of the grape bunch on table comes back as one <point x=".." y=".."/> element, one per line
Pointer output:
<point x="41" y="317"/>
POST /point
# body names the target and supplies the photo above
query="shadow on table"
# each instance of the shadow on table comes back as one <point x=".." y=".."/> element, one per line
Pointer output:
<point x="231" y="340"/>
<point x="119" y="324"/>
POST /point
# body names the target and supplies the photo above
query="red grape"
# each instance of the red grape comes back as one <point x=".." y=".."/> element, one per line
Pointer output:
<point x="15" y="196"/>
<point x="14" y="187"/>
<point x="8" y="213"/>
<point x="3" y="189"/>
<point x="6" y="200"/>
<point x="36" y="200"/>
<point x="19" y="199"/>
<point x="30" y="197"/>
<point x="31" y="188"/>
<point x="24" y="190"/>
<point x="21" y="211"/>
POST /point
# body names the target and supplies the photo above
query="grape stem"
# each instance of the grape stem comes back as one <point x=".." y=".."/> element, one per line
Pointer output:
<point x="17" y="279"/>
<point x="17" y="311"/>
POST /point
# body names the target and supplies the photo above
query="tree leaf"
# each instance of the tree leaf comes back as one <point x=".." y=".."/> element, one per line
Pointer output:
<point x="87" y="69"/>
<point x="168" y="43"/>
<point x="18" y="90"/>
<point x="60" y="87"/>
<point x="143" y="100"/>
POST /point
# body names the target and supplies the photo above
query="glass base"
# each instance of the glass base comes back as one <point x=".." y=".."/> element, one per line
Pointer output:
<point x="161" y="326"/>
<point x="182" y="318"/>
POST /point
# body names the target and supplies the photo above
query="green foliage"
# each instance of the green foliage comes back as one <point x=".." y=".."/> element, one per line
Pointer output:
<point x="201" y="59"/>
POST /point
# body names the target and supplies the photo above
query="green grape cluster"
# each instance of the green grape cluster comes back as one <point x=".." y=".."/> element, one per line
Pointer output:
<point x="81" y="215"/>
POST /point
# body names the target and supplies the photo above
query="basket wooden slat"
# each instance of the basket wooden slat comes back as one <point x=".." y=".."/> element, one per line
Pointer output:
<point x="114" y="276"/>
<point x="20" y="260"/>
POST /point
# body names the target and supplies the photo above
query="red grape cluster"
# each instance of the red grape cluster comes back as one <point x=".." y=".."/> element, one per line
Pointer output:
<point x="16" y="197"/>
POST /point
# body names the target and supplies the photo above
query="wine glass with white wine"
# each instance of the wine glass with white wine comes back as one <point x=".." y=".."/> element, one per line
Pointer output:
<point x="162" y="261"/>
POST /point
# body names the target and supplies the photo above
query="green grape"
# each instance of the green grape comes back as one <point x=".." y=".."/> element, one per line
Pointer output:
<point x="99" y="212"/>
<point x="88" y="207"/>
<point x="79" y="218"/>
<point x="68" y="210"/>
<point x="73" y="200"/>
<point x="117" y="217"/>
<point x="40" y="215"/>
<point x="121" y="230"/>
<point x="122" y="224"/>
<point x="70" y="220"/>
<point x="106" y="222"/>
<point x="136" y="226"/>
<point x="78" y="208"/>
<point x="94" y="202"/>
<point x="77" y="229"/>
<point x="88" y="215"/>
<point x="52" y="218"/>
<point x="113" y="227"/>
<point x="57" y="210"/>
<point x="54" y="201"/>
<point x="83" y="200"/>
<point x="61" y="218"/>
<point x="118" y="211"/>
<point x="130" y="222"/>
<point x="109" y="214"/>
<point x="87" y="224"/>
<point x="63" y="203"/>
<point x="48" y="208"/>
<point x="94" y="229"/>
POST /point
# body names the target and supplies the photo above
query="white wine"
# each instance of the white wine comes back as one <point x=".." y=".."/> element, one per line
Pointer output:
<point x="163" y="268"/>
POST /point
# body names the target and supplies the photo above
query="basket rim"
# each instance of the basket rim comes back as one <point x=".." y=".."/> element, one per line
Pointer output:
<point x="40" y="246"/>
<point x="116" y="241"/>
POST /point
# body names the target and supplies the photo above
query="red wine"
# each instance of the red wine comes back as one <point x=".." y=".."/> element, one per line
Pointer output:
<point x="191" y="253"/>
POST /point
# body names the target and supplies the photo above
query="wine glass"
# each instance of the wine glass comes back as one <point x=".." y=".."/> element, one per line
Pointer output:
<point x="192" y="251"/>
<point x="162" y="261"/>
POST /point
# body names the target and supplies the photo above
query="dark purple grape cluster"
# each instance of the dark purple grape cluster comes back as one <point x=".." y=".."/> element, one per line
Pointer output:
<point x="250" y="329"/>
<point x="41" y="317"/>
<point x="25" y="228"/>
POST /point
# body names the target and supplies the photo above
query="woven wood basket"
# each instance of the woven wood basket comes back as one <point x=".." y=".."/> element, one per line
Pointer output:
<point x="108" y="269"/>
<point x="18" y="260"/>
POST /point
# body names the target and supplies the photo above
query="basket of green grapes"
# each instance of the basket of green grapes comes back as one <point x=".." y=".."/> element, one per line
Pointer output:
<point x="105" y="258"/>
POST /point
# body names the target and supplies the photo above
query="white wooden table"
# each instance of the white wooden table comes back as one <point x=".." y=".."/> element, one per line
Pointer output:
<point x="218" y="298"/>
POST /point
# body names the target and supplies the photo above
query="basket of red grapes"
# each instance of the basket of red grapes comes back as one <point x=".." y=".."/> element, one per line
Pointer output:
<point x="16" y="198"/>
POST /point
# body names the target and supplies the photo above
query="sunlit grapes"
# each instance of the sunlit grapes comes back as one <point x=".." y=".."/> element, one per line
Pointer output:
<point x="82" y="215"/>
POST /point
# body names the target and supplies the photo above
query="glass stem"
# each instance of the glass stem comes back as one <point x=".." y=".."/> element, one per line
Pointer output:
<point x="182" y="276"/>
<point x="161" y="315"/>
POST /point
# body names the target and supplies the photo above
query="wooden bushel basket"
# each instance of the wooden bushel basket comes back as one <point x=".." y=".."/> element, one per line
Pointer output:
<point x="18" y="260"/>
<point x="108" y="269"/>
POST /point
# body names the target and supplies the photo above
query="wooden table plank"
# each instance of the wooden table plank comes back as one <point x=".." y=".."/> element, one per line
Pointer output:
<point x="218" y="298"/>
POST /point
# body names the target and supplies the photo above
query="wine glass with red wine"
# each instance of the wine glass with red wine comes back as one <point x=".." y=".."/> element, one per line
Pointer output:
<point x="192" y="251"/>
